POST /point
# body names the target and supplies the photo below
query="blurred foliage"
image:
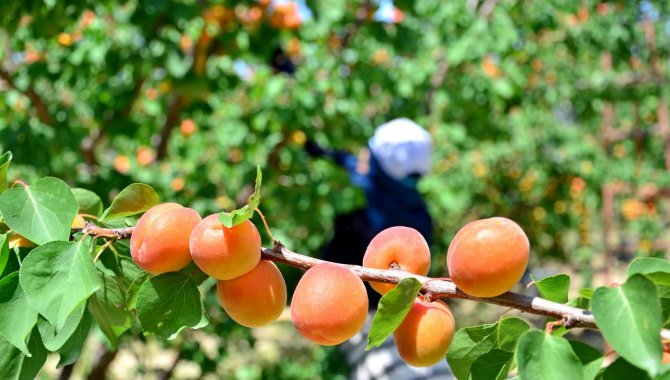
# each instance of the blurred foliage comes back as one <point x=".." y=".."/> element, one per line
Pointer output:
<point x="181" y="95"/>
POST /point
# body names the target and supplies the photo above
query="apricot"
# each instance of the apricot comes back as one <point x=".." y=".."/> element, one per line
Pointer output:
<point x="256" y="298"/>
<point x="400" y="248"/>
<point x="160" y="240"/>
<point x="487" y="257"/>
<point x="78" y="222"/>
<point x="225" y="253"/>
<point x="424" y="336"/>
<point x="329" y="305"/>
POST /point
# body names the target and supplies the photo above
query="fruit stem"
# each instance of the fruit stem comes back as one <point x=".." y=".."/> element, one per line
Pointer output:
<point x="90" y="216"/>
<point x="102" y="249"/>
<point x="265" y="223"/>
<point x="19" y="182"/>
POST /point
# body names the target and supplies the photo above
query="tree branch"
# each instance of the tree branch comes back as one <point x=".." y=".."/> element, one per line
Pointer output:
<point x="174" y="112"/>
<point x="439" y="288"/>
<point x="40" y="108"/>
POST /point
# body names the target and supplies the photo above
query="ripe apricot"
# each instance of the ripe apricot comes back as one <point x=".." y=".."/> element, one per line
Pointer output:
<point x="424" y="336"/>
<point x="400" y="248"/>
<point x="256" y="298"/>
<point x="488" y="257"/>
<point x="329" y="305"/>
<point x="160" y="240"/>
<point x="78" y="222"/>
<point x="225" y="253"/>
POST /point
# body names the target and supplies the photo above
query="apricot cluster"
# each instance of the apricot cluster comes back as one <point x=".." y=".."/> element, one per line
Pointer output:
<point x="168" y="236"/>
<point x="330" y="305"/>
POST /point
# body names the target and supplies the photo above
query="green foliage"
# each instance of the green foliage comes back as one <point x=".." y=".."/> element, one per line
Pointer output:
<point x="554" y="288"/>
<point x="542" y="356"/>
<point x="17" y="366"/>
<point x="109" y="308"/>
<point x="472" y="343"/>
<point x="635" y="305"/>
<point x="41" y="212"/>
<point x="235" y="217"/>
<point x="89" y="202"/>
<point x="5" y="159"/>
<point x="392" y="309"/>
<point x="58" y="277"/>
<point x="4" y="252"/>
<point x="134" y="199"/>
<point x="17" y="315"/>
<point x="168" y="303"/>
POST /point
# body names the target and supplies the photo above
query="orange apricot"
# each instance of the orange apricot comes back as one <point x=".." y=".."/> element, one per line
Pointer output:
<point x="160" y="240"/>
<point x="487" y="257"/>
<point x="78" y="222"/>
<point x="424" y="336"/>
<point x="18" y="241"/>
<point x="225" y="253"/>
<point x="256" y="298"/>
<point x="329" y="305"/>
<point x="400" y="248"/>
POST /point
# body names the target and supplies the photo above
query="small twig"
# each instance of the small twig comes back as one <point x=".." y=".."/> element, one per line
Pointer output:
<point x="102" y="249"/>
<point x="265" y="223"/>
<point x="19" y="182"/>
<point x="113" y="233"/>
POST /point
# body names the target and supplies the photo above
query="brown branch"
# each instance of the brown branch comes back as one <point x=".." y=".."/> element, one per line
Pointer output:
<point x="437" y="288"/>
<point x="571" y="316"/>
<point x="95" y="137"/>
<point x="40" y="108"/>
<point x="436" y="82"/>
<point x="487" y="8"/>
<point x="174" y="112"/>
<point x="113" y="233"/>
<point x="352" y="29"/>
<point x="662" y="112"/>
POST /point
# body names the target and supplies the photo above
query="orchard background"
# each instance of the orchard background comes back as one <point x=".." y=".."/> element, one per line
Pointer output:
<point x="552" y="113"/>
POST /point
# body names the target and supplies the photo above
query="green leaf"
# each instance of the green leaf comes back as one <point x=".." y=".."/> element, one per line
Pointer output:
<point x="494" y="364"/>
<point x="88" y="201"/>
<point x="134" y="290"/>
<point x="629" y="317"/>
<point x="134" y="199"/>
<point x="658" y="270"/>
<point x="41" y="212"/>
<point x="53" y="338"/>
<point x="392" y="309"/>
<point x="238" y="216"/>
<point x="58" y="277"/>
<point x="70" y="351"/>
<point x="4" y="252"/>
<point x="471" y="343"/>
<point x="5" y="159"/>
<point x="108" y="306"/>
<point x="646" y="265"/>
<point x="586" y="293"/>
<point x="17" y="366"/>
<point x="545" y="357"/>
<point x="554" y="288"/>
<point x="168" y="303"/>
<point x="620" y="369"/>
<point x="590" y="358"/>
<point x="17" y="317"/>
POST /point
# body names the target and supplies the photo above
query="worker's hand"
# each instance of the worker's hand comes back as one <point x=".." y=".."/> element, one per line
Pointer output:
<point x="313" y="149"/>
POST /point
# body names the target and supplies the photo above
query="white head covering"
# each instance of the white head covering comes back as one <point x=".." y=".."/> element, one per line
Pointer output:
<point x="402" y="147"/>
